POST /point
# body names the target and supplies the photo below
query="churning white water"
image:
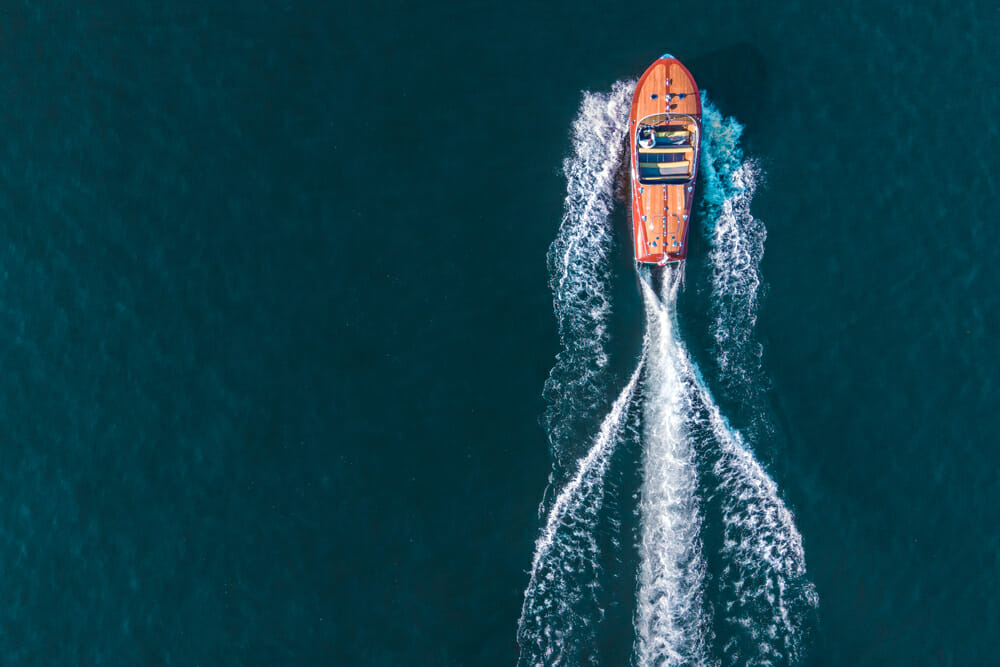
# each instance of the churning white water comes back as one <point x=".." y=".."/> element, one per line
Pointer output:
<point x="579" y="272"/>
<point x="737" y="247"/>
<point x="672" y="626"/>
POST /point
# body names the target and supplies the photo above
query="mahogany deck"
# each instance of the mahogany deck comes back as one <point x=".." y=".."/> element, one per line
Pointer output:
<point x="661" y="213"/>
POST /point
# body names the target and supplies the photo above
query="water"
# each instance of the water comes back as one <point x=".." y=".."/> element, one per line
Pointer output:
<point x="277" y="326"/>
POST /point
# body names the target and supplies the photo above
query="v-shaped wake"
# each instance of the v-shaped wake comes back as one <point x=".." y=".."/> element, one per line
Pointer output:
<point x="757" y="611"/>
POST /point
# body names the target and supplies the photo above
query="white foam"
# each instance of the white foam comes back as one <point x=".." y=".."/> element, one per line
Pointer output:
<point x="737" y="247"/>
<point x="566" y="552"/>
<point x="766" y="592"/>
<point x="671" y="624"/>
<point x="764" y="580"/>
<point x="590" y="474"/>
<point x="578" y="267"/>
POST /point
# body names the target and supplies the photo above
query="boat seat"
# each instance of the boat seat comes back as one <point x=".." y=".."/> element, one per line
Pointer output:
<point x="673" y="138"/>
<point x="673" y="149"/>
<point x="673" y="133"/>
<point x="677" y="168"/>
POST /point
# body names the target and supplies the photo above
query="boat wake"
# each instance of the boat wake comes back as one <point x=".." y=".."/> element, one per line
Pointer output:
<point x="579" y="273"/>
<point x="737" y="247"/>
<point x="766" y="595"/>
<point x="560" y="603"/>
<point x="698" y="473"/>
<point x="560" y="606"/>
<point x="672" y="624"/>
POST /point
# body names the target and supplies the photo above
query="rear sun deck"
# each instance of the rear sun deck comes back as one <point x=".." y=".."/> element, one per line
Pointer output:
<point x="664" y="217"/>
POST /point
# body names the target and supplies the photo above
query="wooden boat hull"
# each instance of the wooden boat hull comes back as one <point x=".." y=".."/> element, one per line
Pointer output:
<point x="665" y="144"/>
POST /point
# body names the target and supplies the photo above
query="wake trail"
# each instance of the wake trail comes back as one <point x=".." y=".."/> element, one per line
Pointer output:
<point x="737" y="247"/>
<point x="562" y="586"/>
<point x="672" y="626"/>
<point x="579" y="274"/>
<point x="766" y="593"/>
<point x="560" y="608"/>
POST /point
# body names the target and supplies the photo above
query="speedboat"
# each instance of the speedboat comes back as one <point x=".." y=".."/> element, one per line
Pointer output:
<point x="664" y="140"/>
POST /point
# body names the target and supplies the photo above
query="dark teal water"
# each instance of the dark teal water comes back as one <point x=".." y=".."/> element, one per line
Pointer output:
<point x="275" y="318"/>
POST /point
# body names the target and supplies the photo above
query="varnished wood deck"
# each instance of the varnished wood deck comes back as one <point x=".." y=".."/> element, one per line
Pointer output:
<point x="661" y="213"/>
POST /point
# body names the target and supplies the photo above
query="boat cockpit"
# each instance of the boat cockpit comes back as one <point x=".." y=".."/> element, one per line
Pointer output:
<point x="666" y="146"/>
